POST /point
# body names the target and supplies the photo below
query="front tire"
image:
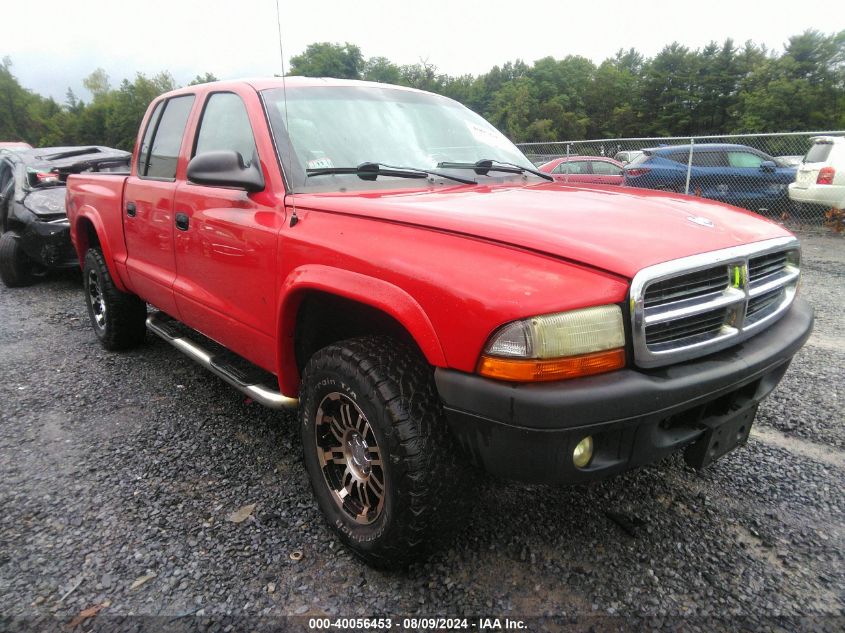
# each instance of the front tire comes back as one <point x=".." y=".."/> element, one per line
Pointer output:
<point x="377" y="450"/>
<point x="118" y="317"/>
<point x="16" y="269"/>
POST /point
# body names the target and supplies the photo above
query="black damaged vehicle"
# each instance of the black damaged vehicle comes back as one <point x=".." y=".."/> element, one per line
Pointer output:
<point x="35" y="232"/>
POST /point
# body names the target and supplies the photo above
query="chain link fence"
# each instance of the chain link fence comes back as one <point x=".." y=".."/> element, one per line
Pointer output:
<point x="752" y="171"/>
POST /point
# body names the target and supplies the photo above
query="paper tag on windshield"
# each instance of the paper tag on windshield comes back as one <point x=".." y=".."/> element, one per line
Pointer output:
<point x="320" y="163"/>
<point x="488" y="137"/>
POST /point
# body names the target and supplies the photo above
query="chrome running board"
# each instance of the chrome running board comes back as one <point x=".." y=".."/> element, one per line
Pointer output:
<point x="164" y="327"/>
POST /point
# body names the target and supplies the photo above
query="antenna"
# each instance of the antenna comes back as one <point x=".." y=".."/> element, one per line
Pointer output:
<point x="293" y="218"/>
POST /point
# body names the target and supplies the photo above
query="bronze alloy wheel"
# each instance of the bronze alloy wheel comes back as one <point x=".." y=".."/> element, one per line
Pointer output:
<point x="350" y="458"/>
<point x="378" y="451"/>
<point x="95" y="298"/>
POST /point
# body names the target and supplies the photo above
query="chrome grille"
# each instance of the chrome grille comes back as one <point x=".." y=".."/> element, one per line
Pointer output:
<point x="765" y="265"/>
<point x="759" y="306"/>
<point x="686" y="328"/>
<point x="697" y="305"/>
<point x="695" y="284"/>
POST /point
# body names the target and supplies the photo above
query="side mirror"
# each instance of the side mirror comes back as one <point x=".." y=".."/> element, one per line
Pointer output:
<point x="225" y="168"/>
<point x="768" y="165"/>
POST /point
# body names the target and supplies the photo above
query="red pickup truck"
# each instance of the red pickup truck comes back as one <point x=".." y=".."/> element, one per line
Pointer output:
<point x="385" y="260"/>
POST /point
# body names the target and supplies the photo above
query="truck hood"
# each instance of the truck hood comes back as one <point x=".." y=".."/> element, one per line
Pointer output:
<point x="617" y="229"/>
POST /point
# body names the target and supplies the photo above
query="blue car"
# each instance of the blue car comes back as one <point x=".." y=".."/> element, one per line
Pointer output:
<point x="735" y="174"/>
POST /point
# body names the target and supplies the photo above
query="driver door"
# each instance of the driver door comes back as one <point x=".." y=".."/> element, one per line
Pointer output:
<point x="226" y="243"/>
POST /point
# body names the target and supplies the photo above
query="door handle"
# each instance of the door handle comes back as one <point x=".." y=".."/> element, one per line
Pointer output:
<point x="182" y="221"/>
<point x="130" y="209"/>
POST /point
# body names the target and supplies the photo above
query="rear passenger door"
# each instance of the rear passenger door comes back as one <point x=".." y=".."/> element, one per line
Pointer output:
<point x="606" y="173"/>
<point x="709" y="175"/>
<point x="148" y="204"/>
<point x="573" y="171"/>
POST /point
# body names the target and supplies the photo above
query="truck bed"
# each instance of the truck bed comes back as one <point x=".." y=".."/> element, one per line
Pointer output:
<point x="99" y="198"/>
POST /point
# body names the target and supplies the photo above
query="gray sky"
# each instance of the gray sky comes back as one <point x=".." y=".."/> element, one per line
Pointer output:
<point x="62" y="43"/>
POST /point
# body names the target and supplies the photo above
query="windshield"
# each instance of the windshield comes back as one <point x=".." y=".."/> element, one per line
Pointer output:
<point x="344" y="126"/>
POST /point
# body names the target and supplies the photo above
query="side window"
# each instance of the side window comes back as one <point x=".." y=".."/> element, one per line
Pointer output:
<point x="744" y="159"/>
<point x="167" y="138"/>
<point x="225" y="125"/>
<point x="606" y="169"/>
<point x="574" y="167"/>
<point x="144" y="154"/>
<point x="709" y="159"/>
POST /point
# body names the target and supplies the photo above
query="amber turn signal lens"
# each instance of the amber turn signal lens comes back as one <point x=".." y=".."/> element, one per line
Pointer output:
<point x="539" y="370"/>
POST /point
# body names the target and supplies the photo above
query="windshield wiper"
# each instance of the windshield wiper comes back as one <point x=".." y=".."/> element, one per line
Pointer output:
<point x="485" y="165"/>
<point x="371" y="171"/>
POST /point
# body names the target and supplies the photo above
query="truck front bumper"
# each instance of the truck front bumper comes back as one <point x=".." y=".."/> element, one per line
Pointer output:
<point x="528" y="431"/>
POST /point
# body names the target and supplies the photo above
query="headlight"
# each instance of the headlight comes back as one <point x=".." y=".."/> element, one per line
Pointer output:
<point x="557" y="346"/>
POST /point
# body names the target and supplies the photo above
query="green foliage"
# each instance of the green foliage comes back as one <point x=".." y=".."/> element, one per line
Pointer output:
<point x="324" y="59"/>
<point x="203" y="79"/>
<point x="801" y="89"/>
<point x="381" y="69"/>
<point x="97" y="83"/>
<point x="112" y="118"/>
<point x="722" y="88"/>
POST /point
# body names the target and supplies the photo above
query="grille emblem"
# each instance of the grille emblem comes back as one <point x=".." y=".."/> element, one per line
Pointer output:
<point x="738" y="276"/>
<point x="701" y="221"/>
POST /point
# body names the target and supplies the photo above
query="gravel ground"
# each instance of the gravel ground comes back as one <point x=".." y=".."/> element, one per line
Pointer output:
<point x="123" y="468"/>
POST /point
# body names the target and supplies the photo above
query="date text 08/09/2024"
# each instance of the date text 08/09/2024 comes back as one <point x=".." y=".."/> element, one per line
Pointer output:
<point x="478" y="624"/>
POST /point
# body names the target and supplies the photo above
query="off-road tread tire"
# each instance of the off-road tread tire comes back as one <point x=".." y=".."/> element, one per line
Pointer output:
<point x="126" y="314"/>
<point x="16" y="270"/>
<point x="425" y="473"/>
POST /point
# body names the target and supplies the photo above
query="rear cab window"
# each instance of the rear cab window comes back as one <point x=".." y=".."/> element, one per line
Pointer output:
<point x="163" y="138"/>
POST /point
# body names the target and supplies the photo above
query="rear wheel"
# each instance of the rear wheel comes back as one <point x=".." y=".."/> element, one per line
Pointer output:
<point x="377" y="450"/>
<point x="118" y="317"/>
<point x="16" y="269"/>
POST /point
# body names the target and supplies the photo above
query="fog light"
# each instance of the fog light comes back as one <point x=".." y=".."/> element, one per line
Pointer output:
<point x="583" y="452"/>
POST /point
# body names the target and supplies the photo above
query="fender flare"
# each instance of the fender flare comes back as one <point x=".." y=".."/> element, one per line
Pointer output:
<point x="371" y="291"/>
<point x="80" y="243"/>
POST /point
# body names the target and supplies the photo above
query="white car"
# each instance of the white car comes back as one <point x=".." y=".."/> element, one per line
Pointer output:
<point x="821" y="176"/>
<point x="627" y="156"/>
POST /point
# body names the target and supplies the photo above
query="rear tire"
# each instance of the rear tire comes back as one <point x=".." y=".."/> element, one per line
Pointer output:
<point x="16" y="269"/>
<point x="377" y="450"/>
<point x="119" y="318"/>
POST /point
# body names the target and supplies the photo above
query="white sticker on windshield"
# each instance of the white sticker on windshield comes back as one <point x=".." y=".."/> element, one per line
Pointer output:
<point x="320" y="163"/>
<point x="487" y="136"/>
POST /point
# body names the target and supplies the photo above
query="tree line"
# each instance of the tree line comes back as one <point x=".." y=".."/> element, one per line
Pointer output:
<point x="111" y="117"/>
<point x="719" y="89"/>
